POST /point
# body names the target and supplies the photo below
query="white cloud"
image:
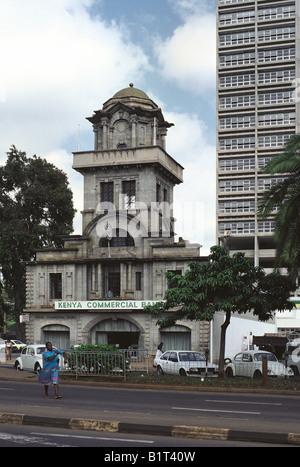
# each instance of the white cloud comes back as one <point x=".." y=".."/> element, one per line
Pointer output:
<point x="195" y="199"/>
<point x="56" y="64"/>
<point x="59" y="65"/>
<point x="188" y="57"/>
<point x="186" y="8"/>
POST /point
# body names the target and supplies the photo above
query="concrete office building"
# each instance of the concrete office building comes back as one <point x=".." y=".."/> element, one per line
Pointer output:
<point x="257" y="112"/>
<point x="94" y="289"/>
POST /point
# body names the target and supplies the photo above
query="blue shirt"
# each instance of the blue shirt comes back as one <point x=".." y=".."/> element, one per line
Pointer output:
<point x="51" y="363"/>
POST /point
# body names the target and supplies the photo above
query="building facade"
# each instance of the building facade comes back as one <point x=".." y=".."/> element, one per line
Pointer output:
<point x="94" y="289"/>
<point x="257" y="112"/>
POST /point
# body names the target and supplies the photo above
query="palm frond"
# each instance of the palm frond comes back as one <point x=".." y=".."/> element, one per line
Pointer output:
<point x="288" y="161"/>
<point x="284" y="197"/>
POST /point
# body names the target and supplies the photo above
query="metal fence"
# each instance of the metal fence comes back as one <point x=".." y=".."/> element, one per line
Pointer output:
<point x="113" y="364"/>
<point x="138" y="360"/>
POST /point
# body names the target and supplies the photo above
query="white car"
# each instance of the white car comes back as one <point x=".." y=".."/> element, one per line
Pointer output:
<point x="249" y="364"/>
<point x="31" y="358"/>
<point x="184" y="363"/>
<point x="17" y="345"/>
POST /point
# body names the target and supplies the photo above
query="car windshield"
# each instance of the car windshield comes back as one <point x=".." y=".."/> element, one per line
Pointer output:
<point x="40" y="350"/>
<point x="191" y="356"/>
<point x="258" y="357"/>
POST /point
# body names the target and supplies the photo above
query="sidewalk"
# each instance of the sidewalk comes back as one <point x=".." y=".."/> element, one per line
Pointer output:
<point x="234" y="431"/>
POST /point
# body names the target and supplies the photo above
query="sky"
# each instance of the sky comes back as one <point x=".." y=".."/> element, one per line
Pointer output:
<point x="62" y="59"/>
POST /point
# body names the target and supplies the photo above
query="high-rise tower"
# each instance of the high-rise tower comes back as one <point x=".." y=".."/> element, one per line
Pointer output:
<point x="257" y="112"/>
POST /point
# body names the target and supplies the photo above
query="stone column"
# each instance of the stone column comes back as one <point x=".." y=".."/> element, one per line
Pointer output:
<point x="100" y="282"/>
<point x="96" y="139"/>
<point x="105" y="133"/>
<point x="129" y="291"/>
<point x="133" y="132"/>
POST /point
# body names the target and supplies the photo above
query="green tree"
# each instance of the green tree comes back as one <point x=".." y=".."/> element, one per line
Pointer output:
<point x="6" y="311"/>
<point x="36" y="209"/>
<point x="3" y="306"/>
<point x="283" y="201"/>
<point x="225" y="283"/>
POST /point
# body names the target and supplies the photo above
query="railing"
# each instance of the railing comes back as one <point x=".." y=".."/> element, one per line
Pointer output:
<point x="138" y="359"/>
<point x="113" y="364"/>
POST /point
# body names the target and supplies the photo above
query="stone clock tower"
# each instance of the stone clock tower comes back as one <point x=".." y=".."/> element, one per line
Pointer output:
<point x="129" y="119"/>
<point x="130" y="146"/>
<point x="127" y="243"/>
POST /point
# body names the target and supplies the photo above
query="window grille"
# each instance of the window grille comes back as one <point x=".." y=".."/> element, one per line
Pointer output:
<point x="55" y="286"/>
<point x="129" y="194"/>
<point x="107" y="192"/>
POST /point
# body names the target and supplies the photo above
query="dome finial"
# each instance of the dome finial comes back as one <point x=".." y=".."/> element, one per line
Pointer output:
<point x="131" y="85"/>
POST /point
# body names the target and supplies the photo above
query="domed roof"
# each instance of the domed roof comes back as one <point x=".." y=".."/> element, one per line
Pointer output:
<point x="131" y="92"/>
<point x="132" y="97"/>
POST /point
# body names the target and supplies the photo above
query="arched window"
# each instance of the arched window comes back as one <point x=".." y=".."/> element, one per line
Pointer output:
<point x="122" y="146"/>
<point x="122" y="238"/>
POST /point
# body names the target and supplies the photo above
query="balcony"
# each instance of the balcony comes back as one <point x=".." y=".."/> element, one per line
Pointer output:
<point x="143" y="155"/>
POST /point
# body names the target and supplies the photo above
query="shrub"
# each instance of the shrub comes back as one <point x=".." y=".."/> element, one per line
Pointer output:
<point x="96" y="359"/>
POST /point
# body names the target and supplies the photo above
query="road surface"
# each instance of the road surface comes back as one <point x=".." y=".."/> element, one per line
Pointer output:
<point x="146" y="447"/>
<point x="142" y="408"/>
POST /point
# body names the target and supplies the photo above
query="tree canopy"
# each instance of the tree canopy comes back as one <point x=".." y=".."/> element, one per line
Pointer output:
<point x="36" y="209"/>
<point x="228" y="284"/>
<point x="283" y="202"/>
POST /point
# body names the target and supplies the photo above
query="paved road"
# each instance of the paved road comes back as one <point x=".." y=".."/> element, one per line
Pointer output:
<point x="254" y="412"/>
<point x="175" y="413"/>
<point x="146" y="447"/>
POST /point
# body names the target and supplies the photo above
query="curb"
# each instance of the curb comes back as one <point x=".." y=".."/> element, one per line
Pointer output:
<point x="177" y="431"/>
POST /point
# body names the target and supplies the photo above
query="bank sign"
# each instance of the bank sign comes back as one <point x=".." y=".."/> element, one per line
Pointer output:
<point x="105" y="304"/>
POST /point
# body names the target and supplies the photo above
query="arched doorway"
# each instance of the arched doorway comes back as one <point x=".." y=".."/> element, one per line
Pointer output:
<point x="58" y="334"/>
<point x="176" y="337"/>
<point x="118" y="332"/>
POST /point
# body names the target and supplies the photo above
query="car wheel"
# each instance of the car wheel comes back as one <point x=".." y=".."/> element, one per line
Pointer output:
<point x="159" y="370"/>
<point x="257" y="374"/>
<point x="37" y="368"/>
<point x="182" y="372"/>
<point x="18" y="366"/>
<point x="229" y="373"/>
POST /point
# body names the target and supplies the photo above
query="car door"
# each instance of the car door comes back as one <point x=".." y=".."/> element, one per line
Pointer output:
<point x="24" y="356"/>
<point x="238" y="364"/>
<point x="247" y="365"/>
<point x="164" y="361"/>
<point x="29" y="359"/>
<point x="173" y="363"/>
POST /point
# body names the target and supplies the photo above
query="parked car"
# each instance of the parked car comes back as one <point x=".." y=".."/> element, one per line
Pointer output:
<point x="184" y="363"/>
<point x="249" y="364"/>
<point x="31" y="358"/>
<point x="17" y="345"/>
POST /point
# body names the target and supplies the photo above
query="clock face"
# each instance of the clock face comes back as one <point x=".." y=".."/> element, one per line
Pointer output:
<point x="122" y="127"/>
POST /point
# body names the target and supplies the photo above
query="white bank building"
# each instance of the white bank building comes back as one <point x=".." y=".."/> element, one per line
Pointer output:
<point x="95" y="288"/>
